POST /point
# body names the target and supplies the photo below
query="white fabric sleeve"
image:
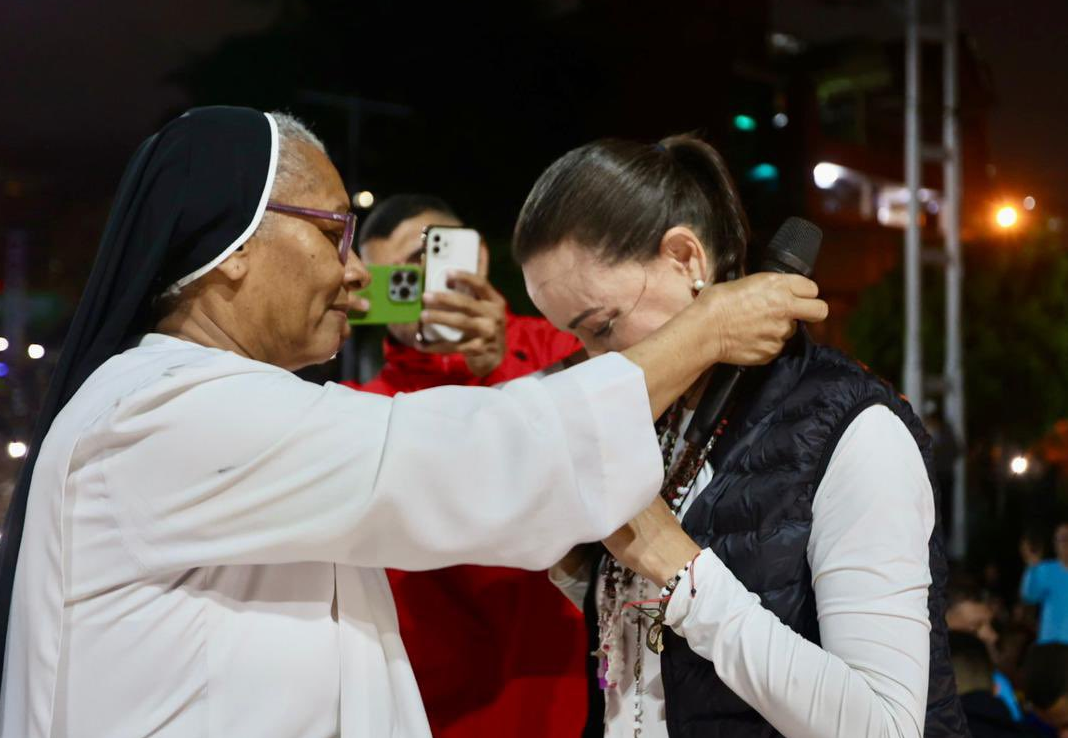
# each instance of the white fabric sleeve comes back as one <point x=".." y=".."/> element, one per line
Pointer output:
<point x="573" y="586"/>
<point x="873" y="517"/>
<point x="263" y="468"/>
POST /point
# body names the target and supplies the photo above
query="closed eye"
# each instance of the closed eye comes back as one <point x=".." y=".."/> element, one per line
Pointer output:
<point x="605" y="329"/>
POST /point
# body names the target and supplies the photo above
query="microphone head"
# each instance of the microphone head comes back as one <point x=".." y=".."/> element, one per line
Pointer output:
<point x="794" y="248"/>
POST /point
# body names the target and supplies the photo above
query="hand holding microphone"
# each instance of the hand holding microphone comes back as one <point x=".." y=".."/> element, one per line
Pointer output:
<point x="756" y="315"/>
<point x="730" y="324"/>
<point x="791" y="253"/>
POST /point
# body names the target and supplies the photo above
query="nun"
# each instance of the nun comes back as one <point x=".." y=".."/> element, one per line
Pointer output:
<point x="195" y="546"/>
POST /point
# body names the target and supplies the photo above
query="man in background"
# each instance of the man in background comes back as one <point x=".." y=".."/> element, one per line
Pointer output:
<point x="497" y="345"/>
<point x="1045" y="583"/>
<point x="1046" y="684"/>
<point x="496" y="652"/>
<point x="988" y="715"/>
<point x="970" y="619"/>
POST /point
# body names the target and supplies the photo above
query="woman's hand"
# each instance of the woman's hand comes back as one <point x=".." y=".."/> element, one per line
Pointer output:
<point x="653" y="544"/>
<point x="481" y="316"/>
<point x="752" y="318"/>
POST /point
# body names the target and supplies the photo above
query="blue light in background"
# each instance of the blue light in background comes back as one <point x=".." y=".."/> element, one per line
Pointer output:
<point x="764" y="172"/>
<point x="745" y="123"/>
<point x="3" y="369"/>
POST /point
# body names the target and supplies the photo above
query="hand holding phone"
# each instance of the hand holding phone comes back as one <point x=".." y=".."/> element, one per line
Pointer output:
<point x="479" y="313"/>
<point x="395" y="294"/>
<point x="448" y="249"/>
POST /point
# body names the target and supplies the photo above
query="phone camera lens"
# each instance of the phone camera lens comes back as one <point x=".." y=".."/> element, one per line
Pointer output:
<point x="405" y="293"/>
<point x="437" y="237"/>
<point x="436" y="249"/>
<point x="396" y="277"/>
<point x="412" y="278"/>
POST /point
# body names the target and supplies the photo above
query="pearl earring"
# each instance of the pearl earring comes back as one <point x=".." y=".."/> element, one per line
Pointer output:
<point x="698" y="285"/>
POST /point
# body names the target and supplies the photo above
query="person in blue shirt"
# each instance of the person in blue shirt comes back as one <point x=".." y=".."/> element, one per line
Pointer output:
<point x="1045" y="583"/>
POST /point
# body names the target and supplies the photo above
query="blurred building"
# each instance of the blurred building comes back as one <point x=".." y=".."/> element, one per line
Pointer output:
<point x="846" y="99"/>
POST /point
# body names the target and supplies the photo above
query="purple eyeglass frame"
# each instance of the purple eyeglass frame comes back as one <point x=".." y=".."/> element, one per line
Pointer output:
<point x="344" y="247"/>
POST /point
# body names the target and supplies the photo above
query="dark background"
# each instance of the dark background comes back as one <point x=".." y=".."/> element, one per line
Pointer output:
<point x="471" y="100"/>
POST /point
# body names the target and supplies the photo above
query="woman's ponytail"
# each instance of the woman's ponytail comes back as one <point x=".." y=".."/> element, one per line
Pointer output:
<point x="728" y="225"/>
<point x="619" y="198"/>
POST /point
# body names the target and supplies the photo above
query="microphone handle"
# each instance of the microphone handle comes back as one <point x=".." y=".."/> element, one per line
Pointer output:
<point x="713" y="404"/>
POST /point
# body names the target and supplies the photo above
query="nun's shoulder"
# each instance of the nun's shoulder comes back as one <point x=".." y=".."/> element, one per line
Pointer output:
<point x="177" y="383"/>
<point x="184" y="402"/>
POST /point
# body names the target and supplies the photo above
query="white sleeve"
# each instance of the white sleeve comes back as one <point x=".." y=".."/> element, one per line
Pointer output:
<point x="575" y="586"/>
<point x="276" y="470"/>
<point x="873" y="515"/>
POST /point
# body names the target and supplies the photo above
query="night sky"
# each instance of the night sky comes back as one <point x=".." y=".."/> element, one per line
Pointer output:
<point x="79" y="86"/>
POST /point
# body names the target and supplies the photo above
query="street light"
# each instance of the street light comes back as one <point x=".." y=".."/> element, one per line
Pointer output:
<point x="826" y="174"/>
<point x="1019" y="465"/>
<point x="3" y="344"/>
<point x="35" y="351"/>
<point x="16" y="449"/>
<point x="365" y="199"/>
<point x="1007" y="216"/>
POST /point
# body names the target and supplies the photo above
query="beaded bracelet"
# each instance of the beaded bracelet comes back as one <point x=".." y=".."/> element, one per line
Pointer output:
<point x="654" y="637"/>
<point x="669" y="588"/>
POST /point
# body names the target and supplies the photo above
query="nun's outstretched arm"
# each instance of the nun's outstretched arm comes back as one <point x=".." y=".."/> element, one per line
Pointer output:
<point x="261" y="467"/>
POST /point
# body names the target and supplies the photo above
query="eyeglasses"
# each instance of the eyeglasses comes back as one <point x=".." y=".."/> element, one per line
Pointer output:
<point x="344" y="246"/>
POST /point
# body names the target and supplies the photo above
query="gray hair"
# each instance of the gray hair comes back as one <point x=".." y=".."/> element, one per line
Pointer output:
<point x="290" y="161"/>
<point x="289" y="171"/>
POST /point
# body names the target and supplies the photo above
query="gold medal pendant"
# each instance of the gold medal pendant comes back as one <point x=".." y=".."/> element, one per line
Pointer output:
<point x="654" y="638"/>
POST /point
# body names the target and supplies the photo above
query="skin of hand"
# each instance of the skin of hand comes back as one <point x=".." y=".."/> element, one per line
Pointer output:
<point x="653" y="544"/>
<point x="478" y="312"/>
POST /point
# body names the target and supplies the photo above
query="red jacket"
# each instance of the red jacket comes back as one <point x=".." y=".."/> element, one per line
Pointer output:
<point x="497" y="652"/>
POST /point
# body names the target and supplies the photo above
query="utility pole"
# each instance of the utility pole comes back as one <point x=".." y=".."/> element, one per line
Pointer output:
<point x="949" y="154"/>
<point x="953" y="371"/>
<point x="912" y="371"/>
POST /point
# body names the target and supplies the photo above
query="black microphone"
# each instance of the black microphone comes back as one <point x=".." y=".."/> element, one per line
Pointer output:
<point x="792" y="250"/>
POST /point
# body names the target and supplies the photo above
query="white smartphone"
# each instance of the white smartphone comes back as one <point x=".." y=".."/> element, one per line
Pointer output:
<point x="448" y="249"/>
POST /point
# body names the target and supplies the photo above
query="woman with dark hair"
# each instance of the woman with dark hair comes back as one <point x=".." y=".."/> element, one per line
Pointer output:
<point x="804" y="544"/>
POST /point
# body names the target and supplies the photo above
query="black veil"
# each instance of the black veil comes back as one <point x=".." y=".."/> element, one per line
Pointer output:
<point x="192" y="194"/>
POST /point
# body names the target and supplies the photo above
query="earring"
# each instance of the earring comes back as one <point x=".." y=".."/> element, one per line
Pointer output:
<point x="698" y="285"/>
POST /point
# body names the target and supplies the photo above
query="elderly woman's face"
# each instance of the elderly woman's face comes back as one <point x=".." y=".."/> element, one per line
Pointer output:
<point x="608" y="307"/>
<point x="296" y="292"/>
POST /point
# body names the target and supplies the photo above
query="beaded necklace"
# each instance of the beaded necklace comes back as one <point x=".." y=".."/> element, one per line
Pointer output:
<point x="680" y="478"/>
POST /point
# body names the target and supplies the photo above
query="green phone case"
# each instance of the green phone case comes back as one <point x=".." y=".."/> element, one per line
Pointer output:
<point x="396" y="295"/>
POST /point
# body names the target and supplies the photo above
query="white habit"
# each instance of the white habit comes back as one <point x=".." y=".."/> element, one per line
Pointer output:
<point x="205" y="537"/>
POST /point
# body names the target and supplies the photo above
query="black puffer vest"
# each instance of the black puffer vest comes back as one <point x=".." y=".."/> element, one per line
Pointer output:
<point x="756" y="515"/>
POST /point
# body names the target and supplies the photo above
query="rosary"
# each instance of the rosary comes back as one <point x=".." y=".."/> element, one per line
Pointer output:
<point x="680" y="478"/>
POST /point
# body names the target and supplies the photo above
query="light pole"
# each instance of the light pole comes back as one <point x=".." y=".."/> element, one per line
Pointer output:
<point x="912" y="371"/>
<point x="953" y="407"/>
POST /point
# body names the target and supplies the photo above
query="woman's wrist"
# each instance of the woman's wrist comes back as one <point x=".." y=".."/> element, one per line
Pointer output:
<point x="672" y="558"/>
<point x="705" y="332"/>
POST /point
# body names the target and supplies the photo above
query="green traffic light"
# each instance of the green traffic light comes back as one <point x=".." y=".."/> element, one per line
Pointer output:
<point x="764" y="172"/>
<point x="745" y="123"/>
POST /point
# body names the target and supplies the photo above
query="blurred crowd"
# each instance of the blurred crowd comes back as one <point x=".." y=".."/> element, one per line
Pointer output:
<point x="1010" y="644"/>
